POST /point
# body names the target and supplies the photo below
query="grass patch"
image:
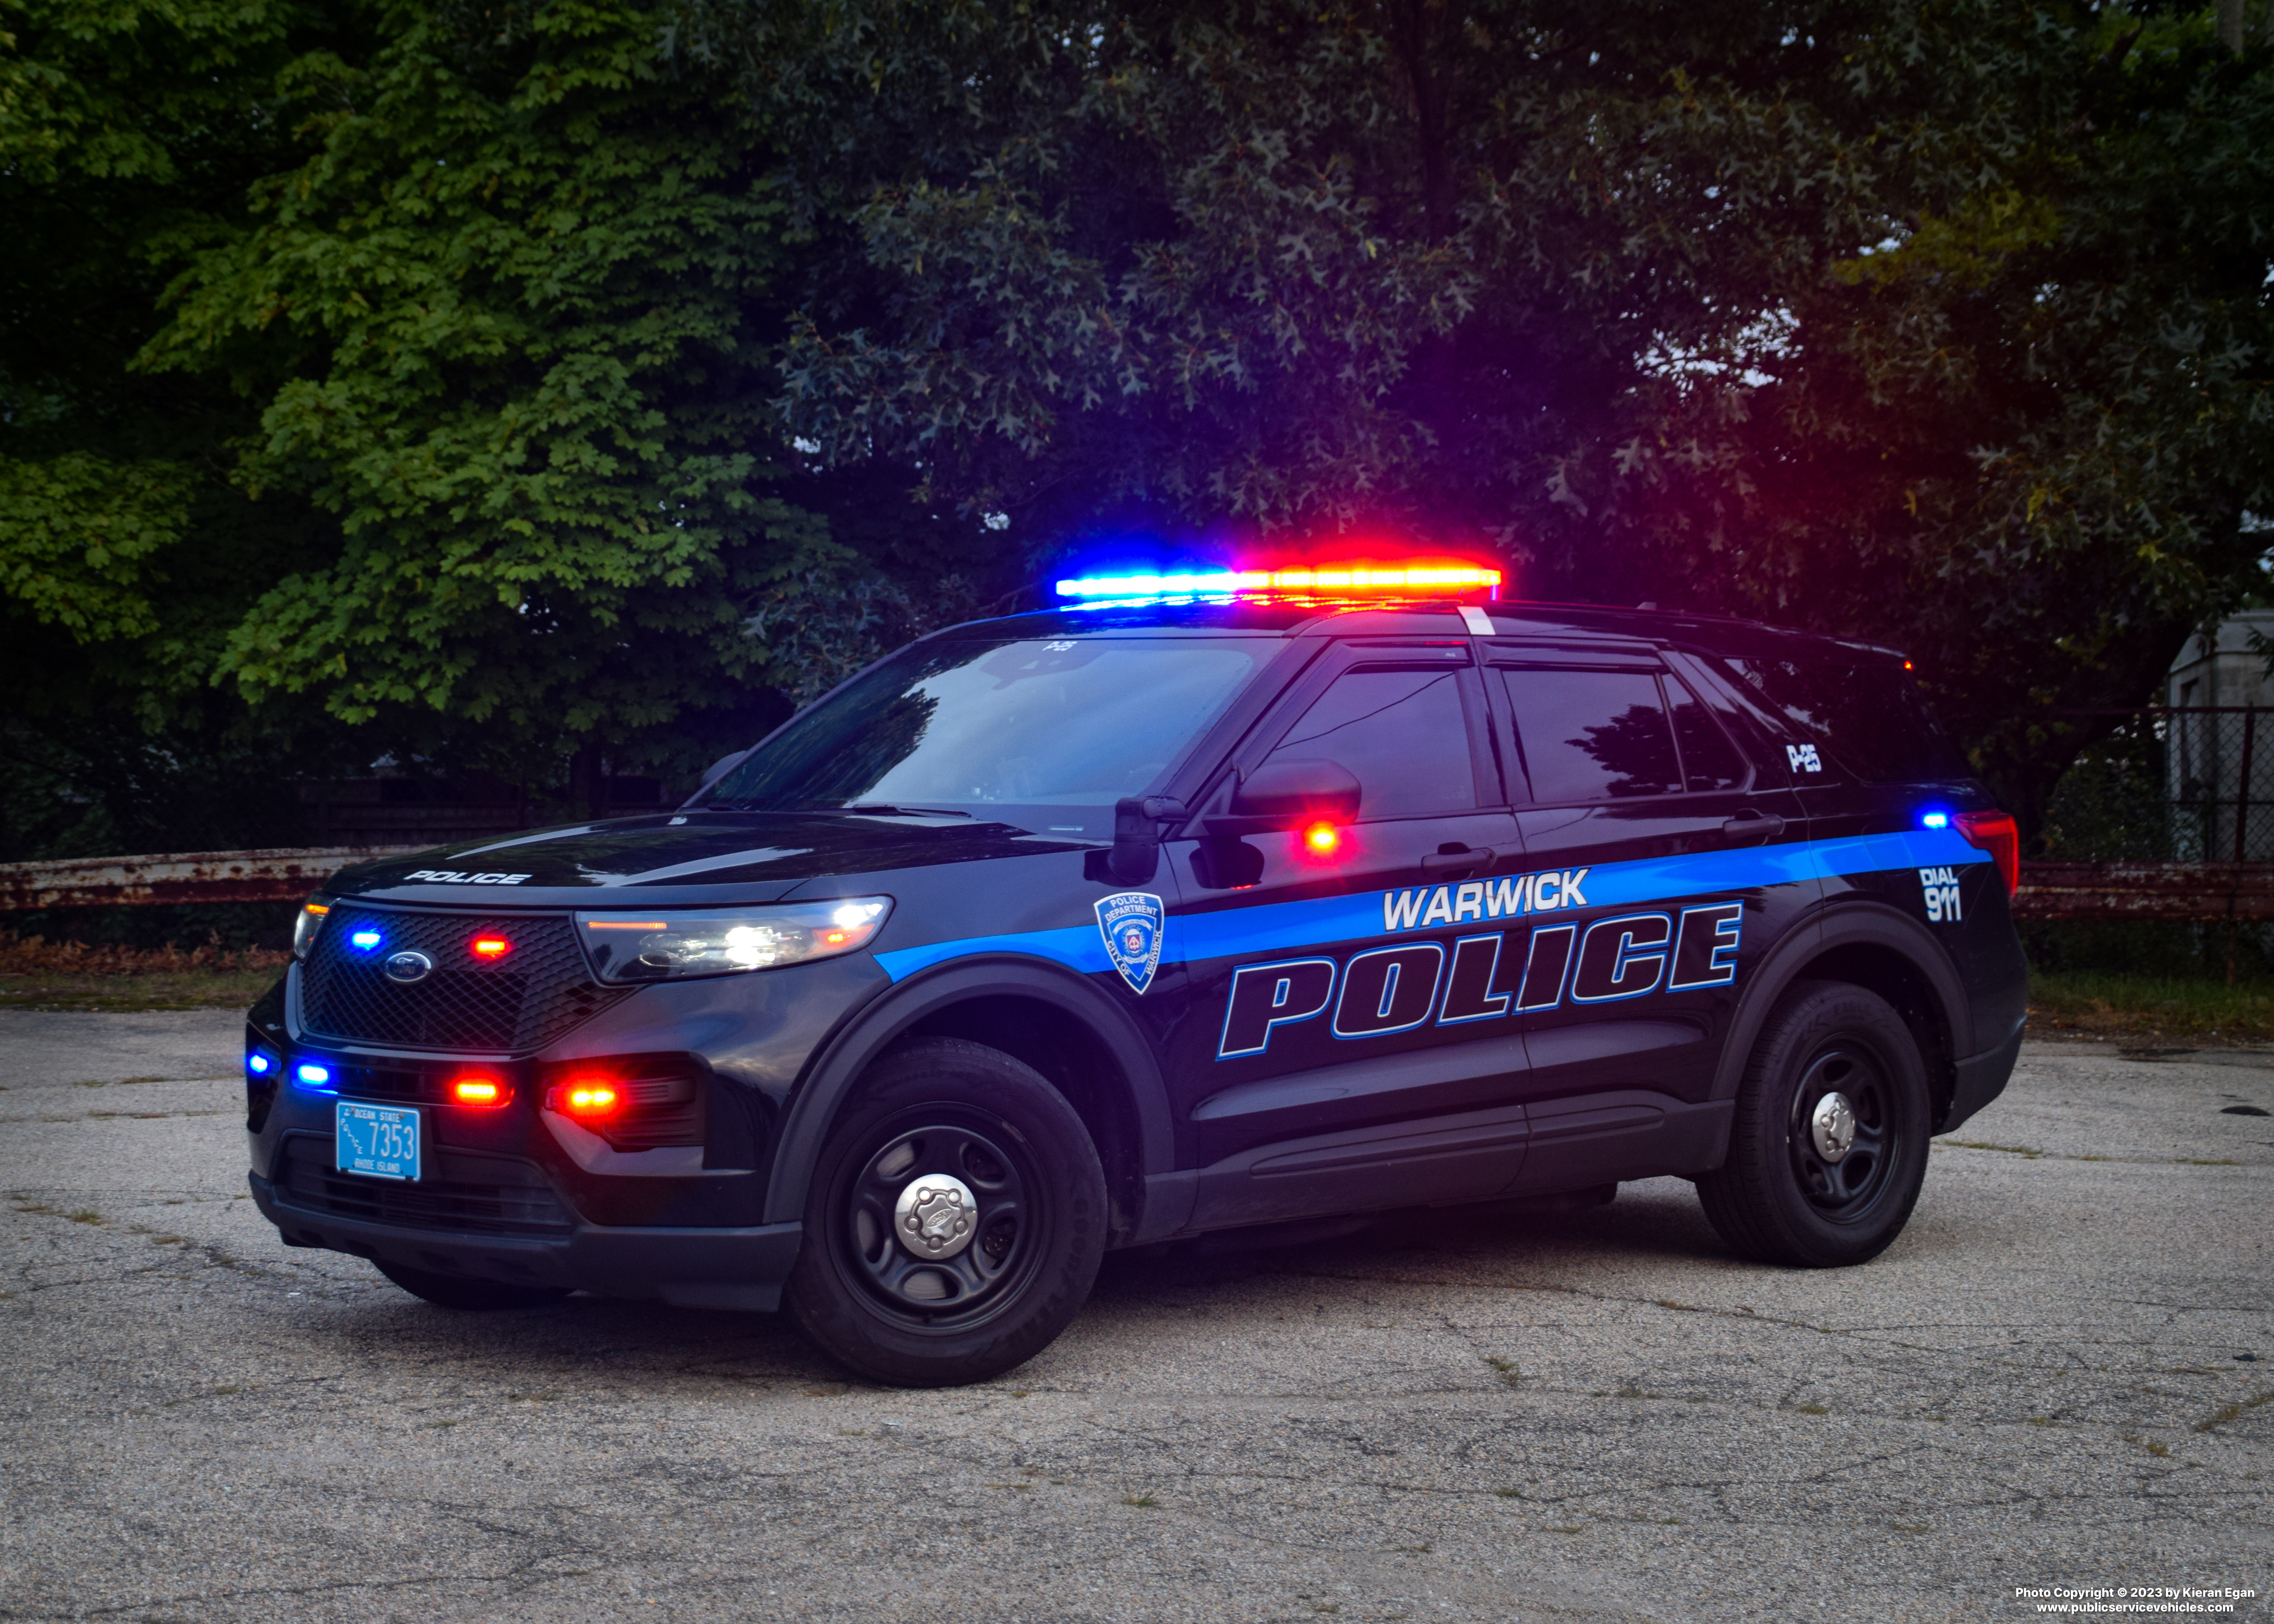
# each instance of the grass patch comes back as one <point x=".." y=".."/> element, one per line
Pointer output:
<point x="192" y="990"/>
<point x="2235" y="1411"/>
<point x="39" y="975"/>
<point x="2107" y="1004"/>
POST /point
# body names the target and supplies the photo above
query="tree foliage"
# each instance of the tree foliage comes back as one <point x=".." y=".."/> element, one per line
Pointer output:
<point x="496" y="381"/>
<point x="1944" y="325"/>
<point x="505" y="319"/>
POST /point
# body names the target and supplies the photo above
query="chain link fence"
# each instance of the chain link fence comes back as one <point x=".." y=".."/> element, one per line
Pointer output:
<point x="2170" y="784"/>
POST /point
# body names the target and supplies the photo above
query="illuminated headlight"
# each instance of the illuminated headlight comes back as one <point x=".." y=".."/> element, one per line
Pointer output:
<point x="669" y="946"/>
<point x="305" y="926"/>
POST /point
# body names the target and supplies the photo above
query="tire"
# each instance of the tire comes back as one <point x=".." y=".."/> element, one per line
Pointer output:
<point x="887" y="1282"/>
<point x="465" y="1293"/>
<point x="1780" y="1197"/>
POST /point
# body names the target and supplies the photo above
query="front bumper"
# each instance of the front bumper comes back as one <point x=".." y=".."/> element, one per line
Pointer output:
<point x="738" y="1268"/>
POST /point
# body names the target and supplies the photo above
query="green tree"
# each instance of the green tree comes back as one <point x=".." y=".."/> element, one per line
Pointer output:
<point x="506" y="321"/>
<point x="1938" y="325"/>
<point x="129" y="133"/>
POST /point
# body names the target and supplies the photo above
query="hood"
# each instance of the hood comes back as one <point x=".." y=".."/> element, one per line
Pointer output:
<point x="761" y="855"/>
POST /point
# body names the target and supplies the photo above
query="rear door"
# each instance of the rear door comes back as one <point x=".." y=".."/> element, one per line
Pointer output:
<point x="1317" y="1009"/>
<point x="1663" y="864"/>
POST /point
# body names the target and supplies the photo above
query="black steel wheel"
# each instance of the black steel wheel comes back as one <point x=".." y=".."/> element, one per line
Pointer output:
<point x="1828" y="1149"/>
<point x="944" y="1218"/>
<point x="955" y="1220"/>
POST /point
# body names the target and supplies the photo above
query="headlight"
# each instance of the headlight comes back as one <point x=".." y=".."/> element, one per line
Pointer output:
<point x="670" y="947"/>
<point x="305" y="926"/>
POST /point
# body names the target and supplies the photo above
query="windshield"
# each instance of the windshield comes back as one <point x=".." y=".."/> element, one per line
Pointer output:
<point x="1047" y="736"/>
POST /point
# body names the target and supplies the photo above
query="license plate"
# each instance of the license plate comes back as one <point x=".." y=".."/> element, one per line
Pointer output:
<point x="377" y="1141"/>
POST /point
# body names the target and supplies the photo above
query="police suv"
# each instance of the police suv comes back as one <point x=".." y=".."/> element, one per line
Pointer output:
<point x="1141" y="919"/>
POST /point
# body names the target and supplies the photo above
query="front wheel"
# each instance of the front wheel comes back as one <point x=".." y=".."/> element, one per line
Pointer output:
<point x="1828" y="1150"/>
<point x="955" y="1221"/>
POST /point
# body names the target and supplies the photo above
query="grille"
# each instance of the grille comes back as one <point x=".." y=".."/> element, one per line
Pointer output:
<point x="524" y="1000"/>
<point x="481" y="1195"/>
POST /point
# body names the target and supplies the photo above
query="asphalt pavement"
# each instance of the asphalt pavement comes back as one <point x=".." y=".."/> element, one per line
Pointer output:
<point x="2062" y="1375"/>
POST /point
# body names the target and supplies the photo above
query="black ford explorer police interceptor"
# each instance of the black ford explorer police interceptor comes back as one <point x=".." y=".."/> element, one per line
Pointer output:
<point x="1096" y="927"/>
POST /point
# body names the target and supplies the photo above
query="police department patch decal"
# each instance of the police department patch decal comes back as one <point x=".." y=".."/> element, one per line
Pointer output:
<point x="1130" y="921"/>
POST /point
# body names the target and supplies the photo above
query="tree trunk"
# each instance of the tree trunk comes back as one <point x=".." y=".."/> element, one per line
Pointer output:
<point x="2230" y="24"/>
<point x="587" y="785"/>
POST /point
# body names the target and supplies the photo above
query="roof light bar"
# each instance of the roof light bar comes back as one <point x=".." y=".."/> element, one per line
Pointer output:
<point x="1370" y="580"/>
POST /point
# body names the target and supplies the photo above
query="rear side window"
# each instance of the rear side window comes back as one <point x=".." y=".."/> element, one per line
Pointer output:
<point x="1402" y="736"/>
<point x="1871" y="718"/>
<point x="1611" y="735"/>
<point x="1709" y="761"/>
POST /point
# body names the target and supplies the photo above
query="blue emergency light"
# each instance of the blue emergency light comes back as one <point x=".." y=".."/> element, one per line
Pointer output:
<point x="1416" y="579"/>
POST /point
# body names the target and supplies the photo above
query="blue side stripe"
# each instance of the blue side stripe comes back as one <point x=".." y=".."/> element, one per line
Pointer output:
<point x="1078" y="947"/>
<point x="1233" y="933"/>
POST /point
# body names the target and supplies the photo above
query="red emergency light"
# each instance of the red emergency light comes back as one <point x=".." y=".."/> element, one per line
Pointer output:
<point x="1407" y="578"/>
<point x="479" y="1088"/>
<point x="586" y="1099"/>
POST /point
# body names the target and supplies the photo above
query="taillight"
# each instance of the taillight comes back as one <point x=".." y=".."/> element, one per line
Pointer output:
<point x="1996" y="833"/>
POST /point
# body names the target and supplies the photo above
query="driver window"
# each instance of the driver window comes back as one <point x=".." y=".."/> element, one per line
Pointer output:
<point x="1402" y="736"/>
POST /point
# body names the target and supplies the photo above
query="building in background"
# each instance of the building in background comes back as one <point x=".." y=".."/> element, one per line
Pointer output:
<point x="2220" y="746"/>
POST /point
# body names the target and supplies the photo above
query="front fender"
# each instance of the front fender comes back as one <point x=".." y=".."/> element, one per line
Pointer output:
<point x="831" y="1075"/>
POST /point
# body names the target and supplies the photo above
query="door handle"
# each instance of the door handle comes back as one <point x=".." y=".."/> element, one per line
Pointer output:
<point x="1459" y="861"/>
<point x="1753" y="826"/>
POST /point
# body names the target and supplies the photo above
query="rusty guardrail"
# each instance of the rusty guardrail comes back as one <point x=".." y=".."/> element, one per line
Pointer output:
<point x="2197" y="891"/>
<point x="282" y="875"/>
<point x="2200" y="891"/>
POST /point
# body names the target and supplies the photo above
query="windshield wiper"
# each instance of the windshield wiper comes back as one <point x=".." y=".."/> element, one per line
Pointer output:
<point x="878" y="809"/>
<point x="860" y="809"/>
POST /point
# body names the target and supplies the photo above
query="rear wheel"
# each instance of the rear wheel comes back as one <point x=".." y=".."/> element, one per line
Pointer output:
<point x="955" y="1221"/>
<point x="464" y="1292"/>
<point x="1828" y="1149"/>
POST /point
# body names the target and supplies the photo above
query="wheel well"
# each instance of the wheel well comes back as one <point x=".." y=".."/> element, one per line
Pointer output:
<point x="1077" y="1062"/>
<point x="1901" y="983"/>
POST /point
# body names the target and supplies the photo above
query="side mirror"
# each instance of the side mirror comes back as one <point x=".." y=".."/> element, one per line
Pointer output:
<point x="1290" y="793"/>
<point x="1136" y="851"/>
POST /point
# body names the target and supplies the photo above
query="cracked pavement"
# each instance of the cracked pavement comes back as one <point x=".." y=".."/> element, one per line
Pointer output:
<point x="2063" y="1373"/>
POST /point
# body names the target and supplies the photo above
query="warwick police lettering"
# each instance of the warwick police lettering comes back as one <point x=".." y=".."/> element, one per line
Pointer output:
<point x="1387" y="990"/>
<point x="1501" y="899"/>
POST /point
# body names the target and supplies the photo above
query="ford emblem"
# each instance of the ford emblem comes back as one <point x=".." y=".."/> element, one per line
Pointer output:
<point x="407" y="966"/>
